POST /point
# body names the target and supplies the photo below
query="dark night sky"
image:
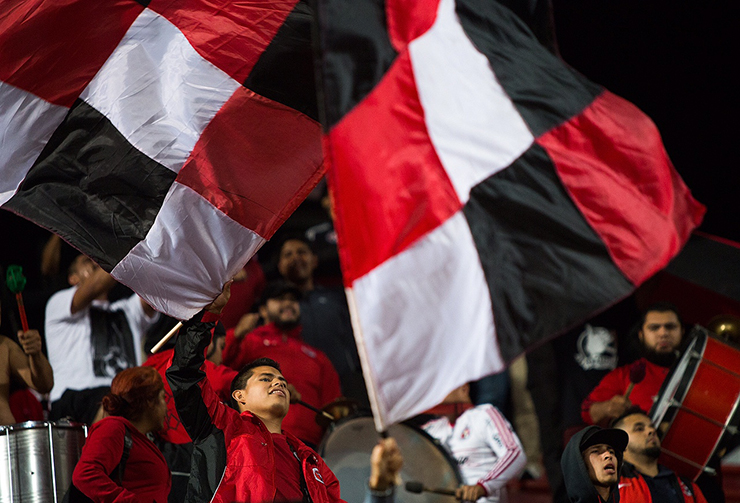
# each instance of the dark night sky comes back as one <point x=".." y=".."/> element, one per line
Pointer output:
<point x="678" y="62"/>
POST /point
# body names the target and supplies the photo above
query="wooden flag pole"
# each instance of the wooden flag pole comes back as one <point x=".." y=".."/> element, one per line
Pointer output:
<point x="166" y="338"/>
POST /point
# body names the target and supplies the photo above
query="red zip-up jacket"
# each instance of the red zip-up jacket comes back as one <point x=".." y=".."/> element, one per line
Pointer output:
<point x="233" y="454"/>
<point x="634" y="489"/>
<point x="145" y="476"/>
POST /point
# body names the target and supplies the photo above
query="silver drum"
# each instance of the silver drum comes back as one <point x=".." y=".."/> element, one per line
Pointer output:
<point x="37" y="459"/>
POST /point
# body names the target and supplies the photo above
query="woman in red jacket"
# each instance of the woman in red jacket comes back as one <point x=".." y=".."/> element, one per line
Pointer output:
<point x="108" y="471"/>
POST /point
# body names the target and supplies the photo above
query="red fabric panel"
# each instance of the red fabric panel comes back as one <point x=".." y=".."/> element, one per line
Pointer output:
<point x="244" y="294"/>
<point x="389" y="186"/>
<point x="53" y="49"/>
<point x="613" y="163"/>
<point x="231" y="35"/>
<point x="409" y="19"/>
<point x="273" y="169"/>
<point x="25" y="407"/>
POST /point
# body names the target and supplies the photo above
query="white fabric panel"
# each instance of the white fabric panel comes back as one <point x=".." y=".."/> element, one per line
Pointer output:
<point x="26" y="124"/>
<point x="189" y="253"/>
<point x="158" y="91"/>
<point x="473" y="125"/>
<point x="423" y="323"/>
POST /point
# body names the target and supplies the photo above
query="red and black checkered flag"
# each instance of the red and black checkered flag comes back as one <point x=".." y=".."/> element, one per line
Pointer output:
<point x="167" y="139"/>
<point x="487" y="196"/>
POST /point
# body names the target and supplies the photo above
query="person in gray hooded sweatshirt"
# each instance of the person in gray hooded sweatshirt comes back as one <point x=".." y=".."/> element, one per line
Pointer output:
<point x="591" y="463"/>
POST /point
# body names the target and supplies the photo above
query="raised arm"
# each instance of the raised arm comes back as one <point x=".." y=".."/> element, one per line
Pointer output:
<point x="92" y="285"/>
<point x="28" y="363"/>
<point x="198" y="406"/>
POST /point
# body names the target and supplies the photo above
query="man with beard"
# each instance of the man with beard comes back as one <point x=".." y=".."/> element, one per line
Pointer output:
<point x="643" y="479"/>
<point x="307" y="368"/>
<point x="660" y="338"/>
<point x="324" y="315"/>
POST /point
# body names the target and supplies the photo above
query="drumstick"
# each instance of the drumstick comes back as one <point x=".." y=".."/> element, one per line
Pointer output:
<point x="418" y="488"/>
<point x="166" y="338"/>
<point x="637" y="374"/>
<point x="315" y="409"/>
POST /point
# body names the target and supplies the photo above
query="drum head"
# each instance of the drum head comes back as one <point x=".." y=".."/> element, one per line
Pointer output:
<point x="676" y="385"/>
<point x="346" y="450"/>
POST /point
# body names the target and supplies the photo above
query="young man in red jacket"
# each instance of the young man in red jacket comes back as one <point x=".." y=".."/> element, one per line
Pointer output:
<point x="305" y="367"/>
<point x="643" y="479"/>
<point x="241" y="455"/>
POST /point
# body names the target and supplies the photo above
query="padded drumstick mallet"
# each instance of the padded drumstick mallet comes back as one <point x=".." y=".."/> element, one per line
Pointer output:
<point x="16" y="282"/>
<point x="637" y="374"/>
<point x="418" y="488"/>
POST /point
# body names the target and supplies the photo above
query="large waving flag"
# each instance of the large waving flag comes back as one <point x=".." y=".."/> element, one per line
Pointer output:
<point x="487" y="196"/>
<point x="166" y="139"/>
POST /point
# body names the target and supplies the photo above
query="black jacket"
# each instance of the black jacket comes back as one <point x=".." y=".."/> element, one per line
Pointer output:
<point x="578" y="485"/>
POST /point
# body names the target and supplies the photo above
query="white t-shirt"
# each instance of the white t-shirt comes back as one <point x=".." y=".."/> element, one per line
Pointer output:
<point x="484" y="445"/>
<point x="68" y="339"/>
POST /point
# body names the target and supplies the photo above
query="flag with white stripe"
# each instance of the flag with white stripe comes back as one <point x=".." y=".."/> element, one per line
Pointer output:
<point x="166" y="140"/>
<point x="487" y="196"/>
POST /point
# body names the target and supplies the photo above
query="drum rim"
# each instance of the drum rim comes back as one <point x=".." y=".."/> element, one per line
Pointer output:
<point x="700" y="340"/>
<point x="28" y="425"/>
<point x="436" y="443"/>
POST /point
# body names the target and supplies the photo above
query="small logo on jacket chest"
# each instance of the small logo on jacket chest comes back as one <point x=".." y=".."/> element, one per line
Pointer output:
<point x="317" y="474"/>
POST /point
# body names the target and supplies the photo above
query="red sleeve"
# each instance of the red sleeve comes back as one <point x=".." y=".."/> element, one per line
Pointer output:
<point x="220" y="377"/>
<point x="614" y="383"/>
<point x="100" y="455"/>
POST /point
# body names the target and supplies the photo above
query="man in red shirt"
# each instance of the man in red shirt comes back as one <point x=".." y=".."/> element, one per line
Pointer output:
<point x="306" y="368"/>
<point x="661" y="334"/>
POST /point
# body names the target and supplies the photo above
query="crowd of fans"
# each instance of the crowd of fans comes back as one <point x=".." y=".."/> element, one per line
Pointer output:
<point x="288" y="311"/>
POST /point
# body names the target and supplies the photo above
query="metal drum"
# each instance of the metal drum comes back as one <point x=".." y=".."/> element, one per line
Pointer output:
<point x="346" y="450"/>
<point x="37" y="459"/>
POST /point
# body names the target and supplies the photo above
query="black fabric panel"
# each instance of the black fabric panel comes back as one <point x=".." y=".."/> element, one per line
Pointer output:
<point x="285" y="71"/>
<point x="546" y="268"/>
<point x="93" y="188"/>
<point x="356" y="52"/>
<point x="710" y="264"/>
<point x="545" y="91"/>
<point x="538" y="16"/>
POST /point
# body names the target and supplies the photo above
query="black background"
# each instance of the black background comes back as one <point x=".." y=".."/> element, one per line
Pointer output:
<point x="678" y="62"/>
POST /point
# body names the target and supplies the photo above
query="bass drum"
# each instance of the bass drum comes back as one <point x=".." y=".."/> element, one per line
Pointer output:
<point x="697" y="409"/>
<point x="37" y="459"/>
<point x="346" y="450"/>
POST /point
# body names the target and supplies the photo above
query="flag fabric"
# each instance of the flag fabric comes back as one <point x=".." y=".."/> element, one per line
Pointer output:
<point x="165" y="139"/>
<point x="487" y="196"/>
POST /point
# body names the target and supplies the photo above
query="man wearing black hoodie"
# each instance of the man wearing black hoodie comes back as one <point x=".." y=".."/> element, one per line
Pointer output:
<point x="591" y="464"/>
